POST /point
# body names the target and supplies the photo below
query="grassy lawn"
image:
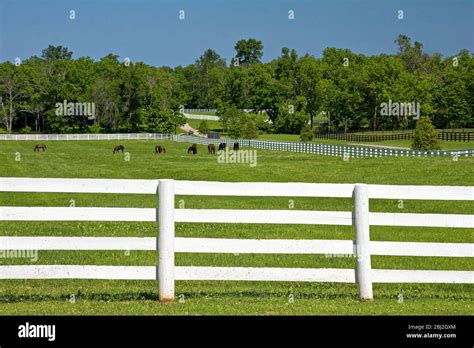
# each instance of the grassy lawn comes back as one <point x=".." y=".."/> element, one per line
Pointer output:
<point x="212" y="125"/>
<point x="94" y="159"/>
<point x="296" y="138"/>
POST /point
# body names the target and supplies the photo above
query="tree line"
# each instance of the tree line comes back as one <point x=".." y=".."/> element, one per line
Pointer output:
<point x="341" y="91"/>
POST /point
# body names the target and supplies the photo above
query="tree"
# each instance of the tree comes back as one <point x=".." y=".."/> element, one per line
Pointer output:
<point x="10" y="91"/>
<point x="250" y="130"/>
<point x="236" y="129"/>
<point x="425" y="136"/>
<point x="56" y="52"/>
<point x="291" y="117"/>
<point x="203" y="127"/>
<point x="309" y="73"/>
<point x="232" y="121"/>
<point x="105" y="94"/>
<point x="162" y="121"/>
<point x="206" y="79"/>
<point x="453" y="97"/>
<point x="283" y="94"/>
<point x="413" y="56"/>
<point x="306" y="133"/>
<point x="249" y="51"/>
<point x="381" y="74"/>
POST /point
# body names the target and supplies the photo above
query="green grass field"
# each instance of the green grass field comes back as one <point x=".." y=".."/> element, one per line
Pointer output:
<point x="94" y="159"/>
<point x="214" y="126"/>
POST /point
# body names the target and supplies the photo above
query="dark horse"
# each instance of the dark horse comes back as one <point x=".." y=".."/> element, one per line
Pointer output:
<point x="236" y="146"/>
<point x="39" y="146"/>
<point x="160" y="149"/>
<point x="193" y="149"/>
<point x="211" y="148"/>
<point x="118" y="148"/>
<point x="222" y="146"/>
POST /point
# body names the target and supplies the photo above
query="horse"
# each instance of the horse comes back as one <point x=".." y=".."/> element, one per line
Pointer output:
<point x="160" y="149"/>
<point x="193" y="149"/>
<point x="118" y="148"/>
<point x="211" y="148"/>
<point x="236" y="146"/>
<point x="39" y="146"/>
<point x="222" y="146"/>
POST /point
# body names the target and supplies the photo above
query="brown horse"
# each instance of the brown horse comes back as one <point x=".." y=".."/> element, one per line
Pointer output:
<point x="160" y="149"/>
<point x="193" y="149"/>
<point x="211" y="148"/>
<point x="118" y="148"/>
<point x="236" y="146"/>
<point x="39" y="146"/>
<point x="222" y="146"/>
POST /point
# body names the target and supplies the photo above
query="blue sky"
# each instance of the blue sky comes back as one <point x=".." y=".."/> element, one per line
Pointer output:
<point x="150" y="30"/>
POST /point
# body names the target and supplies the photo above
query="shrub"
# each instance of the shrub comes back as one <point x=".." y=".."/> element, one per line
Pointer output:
<point x="425" y="136"/>
<point x="203" y="127"/>
<point x="250" y="130"/>
<point x="306" y="133"/>
<point x="236" y="129"/>
<point x="26" y="130"/>
<point x="94" y="128"/>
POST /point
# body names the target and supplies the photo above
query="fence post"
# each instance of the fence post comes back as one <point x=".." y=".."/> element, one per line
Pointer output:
<point x="361" y="222"/>
<point x="166" y="240"/>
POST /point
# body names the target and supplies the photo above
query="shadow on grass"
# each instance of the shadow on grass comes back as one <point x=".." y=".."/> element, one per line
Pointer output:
<point x="216" y="295"/>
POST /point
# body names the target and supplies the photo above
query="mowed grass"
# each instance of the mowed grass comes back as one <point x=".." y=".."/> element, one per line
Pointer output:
<point x="214" y="126"/>
<point x="94" y="159"/>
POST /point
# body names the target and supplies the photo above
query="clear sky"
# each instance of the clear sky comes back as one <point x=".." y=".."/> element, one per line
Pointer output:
<point x="150" y="30"/>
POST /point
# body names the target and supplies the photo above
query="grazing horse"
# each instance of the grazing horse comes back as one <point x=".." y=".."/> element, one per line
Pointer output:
<point x="222" y="146"/>
<point x="160" y="149"/>
<point x="193" y="149"/>
<point x="118" y="148"/>
<point x="211" y="148"/>
<point x="39" y="146"/>
<point x="236" y="146"/>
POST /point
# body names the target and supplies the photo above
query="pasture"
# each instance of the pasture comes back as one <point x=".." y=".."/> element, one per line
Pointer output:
<point x="94" y="159"/>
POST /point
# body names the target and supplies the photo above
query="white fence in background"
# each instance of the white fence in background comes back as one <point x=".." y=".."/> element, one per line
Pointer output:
<point x="302" y="147"/>
<point x="201" y="117"/>
<point x="168" y="244"/>
<point x="200" y="110"/>
<point x="67" y="137"/>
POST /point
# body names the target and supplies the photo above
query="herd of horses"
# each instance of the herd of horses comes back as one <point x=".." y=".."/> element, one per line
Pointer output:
<point x="211" y="148"/>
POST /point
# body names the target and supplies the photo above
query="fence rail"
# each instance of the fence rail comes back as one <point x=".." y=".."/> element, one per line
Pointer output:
<point x="301" y="147"/>
<point x="166" y="244"/>
<point x="446" y="136"/>
<point x="201" y="117"/>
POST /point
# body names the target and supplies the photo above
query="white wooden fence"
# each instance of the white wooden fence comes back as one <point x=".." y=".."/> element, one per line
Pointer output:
<point x="201" y="117"/>
<point x="302" y="147"/>
<point x="167" y="244"/>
